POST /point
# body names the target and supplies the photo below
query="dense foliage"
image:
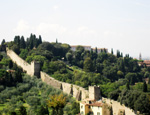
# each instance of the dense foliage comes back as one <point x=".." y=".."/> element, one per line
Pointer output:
<point x="21" y="94"/>
<point x="114" y="73"/>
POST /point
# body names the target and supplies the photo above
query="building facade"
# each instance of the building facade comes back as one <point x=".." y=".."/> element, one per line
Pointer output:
<point x="94" y="104"/>
<point x="91" y="106"/>
<point x="89" y="48"/>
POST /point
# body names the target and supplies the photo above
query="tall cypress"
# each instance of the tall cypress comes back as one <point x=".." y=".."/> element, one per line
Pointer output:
<point x="144" y="87"/>
<point x="112" y="52"/>
<point x="3" y="42"/>
<point x="40" y="39"/>
<point x="22" y="43"/>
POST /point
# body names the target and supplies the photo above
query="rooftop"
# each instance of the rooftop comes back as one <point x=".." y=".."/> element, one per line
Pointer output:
<point x="92" y="102"/>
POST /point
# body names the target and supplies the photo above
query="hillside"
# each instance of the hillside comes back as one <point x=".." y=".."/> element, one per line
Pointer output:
<point x="21" y="94"/>
<point x="120" y="78"/>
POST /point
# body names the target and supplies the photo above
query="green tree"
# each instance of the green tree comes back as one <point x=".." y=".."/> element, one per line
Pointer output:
<point x="46" y="46"/>
<point x="3" y="42"/>
<point x="96" y="50"/>
<point x="24" y="53"/>
<point x="118" y="54"/>
<point x="1" y="57"/>
<point x="112" y="52"/>
<point x="40" y="39"/>
<point x="22" y="42"/>
<point x="57" y="103"/>
<point x="17" y="40"/>
<point x="69" y="56"/>
<point x="88" y="65"/>
<point x="22" y="110"/>
<point x="131" y="77"/>
<point x="144" y="87"/>
<point x="142" y="104"/>
<point x="3" y="46"/>
<point x="120" y="74"/>
<point x="16" y="49"/>
<point x="127" y="86"/>
<point x="149" y="80"/>
<point x="75" y="108"/>
<point x="45" y="67"/>
<point x="10" y="64"/>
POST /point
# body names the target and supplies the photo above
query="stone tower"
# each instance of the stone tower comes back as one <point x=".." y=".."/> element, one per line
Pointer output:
<point x="35" y="68"/>
<point x="94" y="93"/>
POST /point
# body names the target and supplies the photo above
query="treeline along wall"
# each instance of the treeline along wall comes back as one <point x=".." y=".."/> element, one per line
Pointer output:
<point x="78" y="92"/>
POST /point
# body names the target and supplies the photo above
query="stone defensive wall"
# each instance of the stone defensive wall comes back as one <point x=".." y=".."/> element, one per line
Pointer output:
<point x="20" y="62"/>
<point x="78" y="92"/>
<point x="116" y="107"/>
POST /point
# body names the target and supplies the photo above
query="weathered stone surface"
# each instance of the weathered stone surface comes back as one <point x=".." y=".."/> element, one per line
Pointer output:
<point x="116" y="106"/>
<point x="50" y="81"/>
<point x="32" y="69"/>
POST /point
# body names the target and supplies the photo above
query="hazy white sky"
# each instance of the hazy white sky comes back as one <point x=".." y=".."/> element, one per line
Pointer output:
<point x="117" y="24"/>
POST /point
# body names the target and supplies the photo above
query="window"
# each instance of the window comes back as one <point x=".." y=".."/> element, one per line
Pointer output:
<point x="82" y="113"/>
<point x="81" y="106"/>
<point x="91" y="113"/>
<point x="98" y="113"/>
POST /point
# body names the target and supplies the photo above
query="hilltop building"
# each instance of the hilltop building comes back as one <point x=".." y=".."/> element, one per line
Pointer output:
<point x="89" y="48"/>
<point x="94" y="105"/>
<point x="147" y="63"/>
<point x="144" y="63"/>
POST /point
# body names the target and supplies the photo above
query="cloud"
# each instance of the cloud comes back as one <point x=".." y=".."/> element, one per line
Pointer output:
<point x="139" y="4"/>
<point x="85" y="29"/>
<point x="50" y="28"/>
<point x="55" y="7"/>
<point x="82" y="28"/>
<point x="22" y="26"/>
<point x="109" y="33"/>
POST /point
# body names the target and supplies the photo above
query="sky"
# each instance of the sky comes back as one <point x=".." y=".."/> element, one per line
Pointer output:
<point x="119" y="24"/>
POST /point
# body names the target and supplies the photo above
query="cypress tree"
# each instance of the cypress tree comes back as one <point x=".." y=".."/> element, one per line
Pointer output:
<point x="112" y="52"/>
<point x="121" y="55"/>
<point x="40" y="39"/>
<point x="10" y="64"/>
<point x="17" y="40"/>
<point x="96" y="50"/>
<point x="149" y="80"/>
<point x="31" y="44"/>
<point x="3" y="42"/>
<point x="144" y="87"/>
<point x="91" y="52"/>
<point x="118" y="53"/>
<point x="22" y="43"/>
